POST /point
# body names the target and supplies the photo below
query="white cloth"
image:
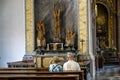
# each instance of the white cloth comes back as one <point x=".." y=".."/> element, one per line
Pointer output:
<point x="71" y="65"/>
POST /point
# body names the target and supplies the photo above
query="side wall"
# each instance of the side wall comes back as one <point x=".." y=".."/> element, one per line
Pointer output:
<point x="12" y="31"/>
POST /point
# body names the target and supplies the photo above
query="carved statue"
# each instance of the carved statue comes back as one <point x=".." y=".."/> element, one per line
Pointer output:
<point x="56" y="13"/>
<point x="70" y="37"/>
<point x="41" y="34"/>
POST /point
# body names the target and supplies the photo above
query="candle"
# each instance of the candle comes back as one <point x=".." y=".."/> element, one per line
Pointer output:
<point x="48" y="47"/>
<point x="62" y="46"/>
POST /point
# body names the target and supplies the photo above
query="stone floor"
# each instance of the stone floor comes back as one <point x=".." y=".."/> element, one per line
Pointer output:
<point x="109" y="72"/>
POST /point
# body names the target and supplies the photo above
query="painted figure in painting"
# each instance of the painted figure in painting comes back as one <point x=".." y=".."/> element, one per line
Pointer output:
<point x="56" y="13"/>
<point x="70" y="37"/>
<point x="41" y="34"/>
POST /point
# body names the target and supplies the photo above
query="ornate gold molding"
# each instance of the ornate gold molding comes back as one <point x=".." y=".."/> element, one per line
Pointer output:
<point x="108" y="3"/>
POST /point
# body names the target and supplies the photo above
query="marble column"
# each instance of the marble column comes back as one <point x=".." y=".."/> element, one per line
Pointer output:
<point x="29" y="20"/>
<point x="90" y="39"/>
<point x="83" y="32"/>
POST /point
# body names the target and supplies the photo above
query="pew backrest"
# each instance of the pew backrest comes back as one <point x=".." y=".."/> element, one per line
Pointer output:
<point x="79" y="73"/>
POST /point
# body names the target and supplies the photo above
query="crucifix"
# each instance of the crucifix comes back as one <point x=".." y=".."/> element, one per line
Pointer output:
<point x="82" y="41"/>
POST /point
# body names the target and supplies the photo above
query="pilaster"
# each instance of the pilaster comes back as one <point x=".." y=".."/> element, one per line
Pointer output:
<point x="118" y="23"/>
<point x="29" y="25"/>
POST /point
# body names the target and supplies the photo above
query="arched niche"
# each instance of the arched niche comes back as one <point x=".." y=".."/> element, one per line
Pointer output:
<point x="104" y="26"/>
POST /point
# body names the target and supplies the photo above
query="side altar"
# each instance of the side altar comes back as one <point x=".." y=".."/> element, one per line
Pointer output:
<point x="56" y="32"/>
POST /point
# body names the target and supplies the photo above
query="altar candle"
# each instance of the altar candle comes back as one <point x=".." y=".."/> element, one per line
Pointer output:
<point x="47" y="46"/>
<point x="62" y="46"/>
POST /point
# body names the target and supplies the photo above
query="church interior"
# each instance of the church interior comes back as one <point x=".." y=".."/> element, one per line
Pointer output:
<point x="32" y="32"/>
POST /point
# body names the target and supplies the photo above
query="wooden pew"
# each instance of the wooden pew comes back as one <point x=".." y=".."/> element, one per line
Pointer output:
<point x="7" y="70"/>
<point x="38" y="72"/>
<point x="38" y="77"/>
<point x="11" y="74"/>
<point x="23" y="69"/>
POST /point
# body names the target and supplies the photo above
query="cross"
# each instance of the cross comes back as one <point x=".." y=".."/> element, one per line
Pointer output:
<point x="82" y="41"/>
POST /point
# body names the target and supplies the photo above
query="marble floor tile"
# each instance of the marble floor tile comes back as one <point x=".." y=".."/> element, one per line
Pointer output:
<point x="109" y="72"/>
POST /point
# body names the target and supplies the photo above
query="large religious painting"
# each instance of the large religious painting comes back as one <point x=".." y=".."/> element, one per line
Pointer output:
<point x="56" y="21"/>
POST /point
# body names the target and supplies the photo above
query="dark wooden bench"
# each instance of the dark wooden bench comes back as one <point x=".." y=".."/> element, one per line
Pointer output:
<point x="23" y="69"/>
<point x="38" y="77"/>
<point x="33" y="71"/>
<point x="19" y="74"/>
